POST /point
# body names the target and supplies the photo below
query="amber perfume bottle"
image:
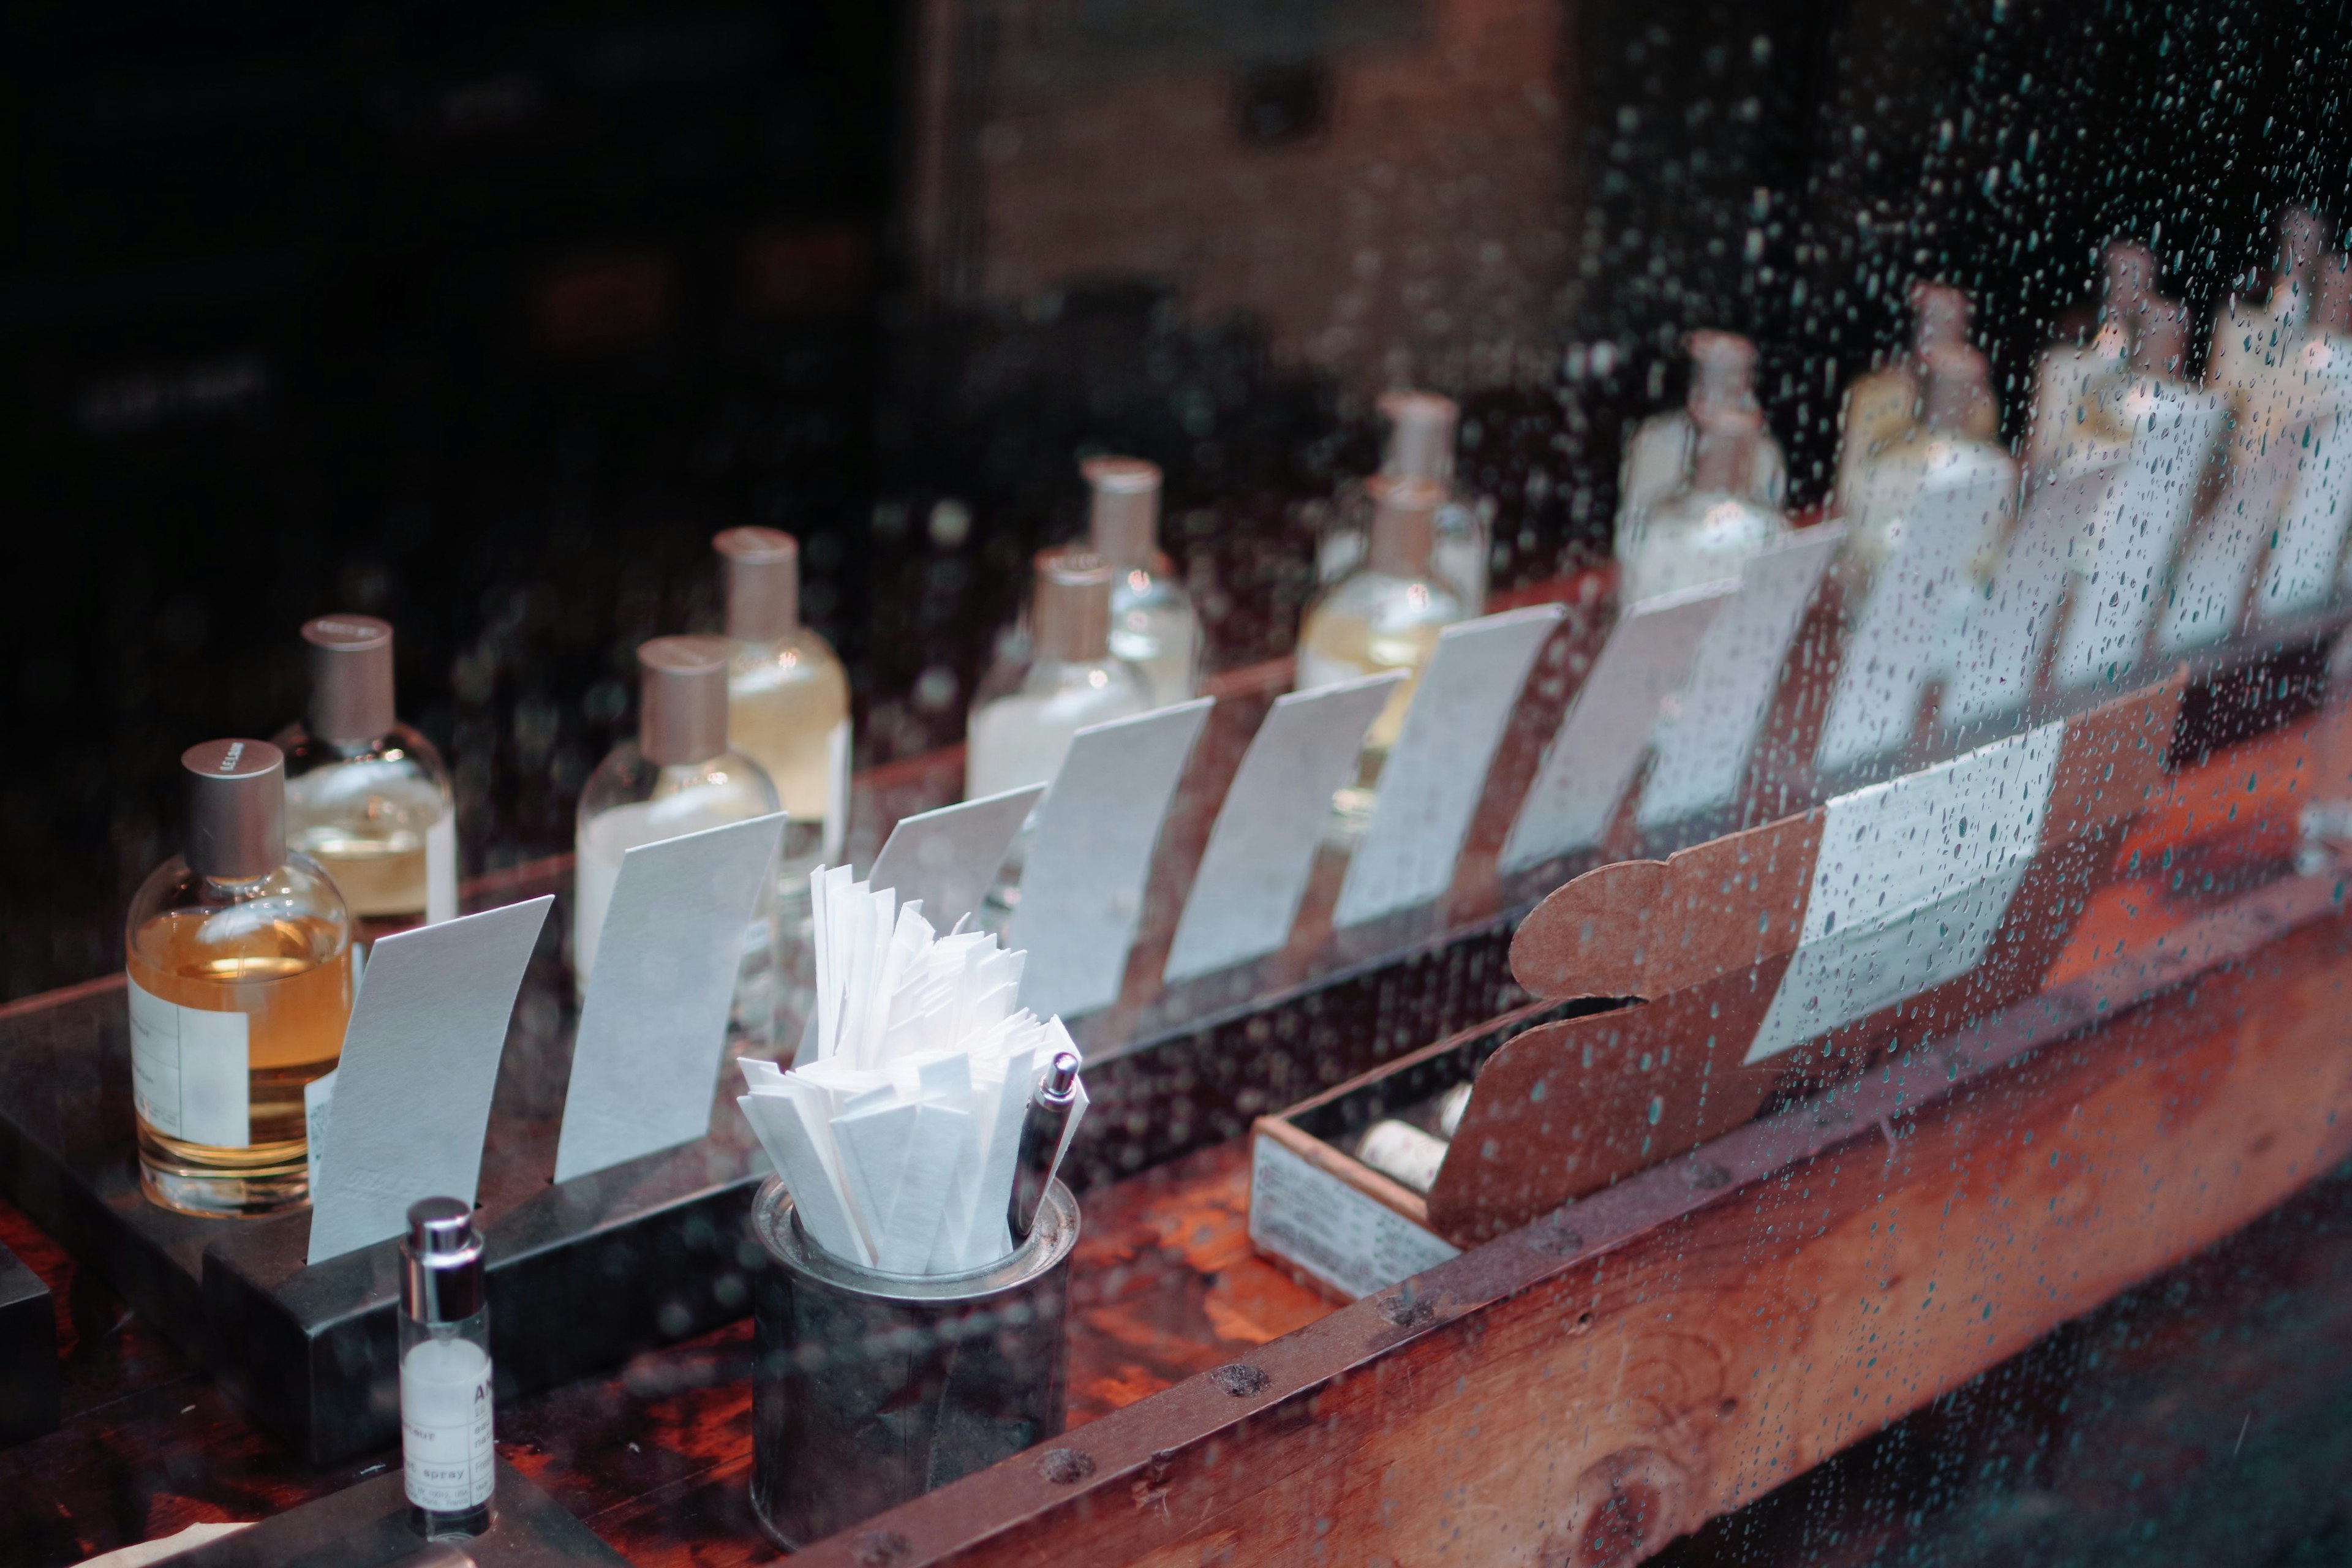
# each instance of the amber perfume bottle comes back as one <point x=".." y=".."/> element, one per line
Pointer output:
<point x="240" y="985"/>
<point x="367" y="796"/>
<point x="787" y="695"/>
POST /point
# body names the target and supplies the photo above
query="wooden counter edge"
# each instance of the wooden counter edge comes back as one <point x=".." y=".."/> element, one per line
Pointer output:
<point x="1610" y="1376"/>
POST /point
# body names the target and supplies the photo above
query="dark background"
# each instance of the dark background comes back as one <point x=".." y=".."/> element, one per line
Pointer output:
<point x="484" y="321"/>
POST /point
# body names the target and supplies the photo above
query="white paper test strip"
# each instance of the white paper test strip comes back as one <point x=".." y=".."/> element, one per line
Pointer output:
<point x="1081" y="883"/>
<point x="946" y="859"/>
<point x="1910" y="884"/>
<point x="2209" y="590"/>
<point x="1904" y="636"/>
<point x="1262" y="848"/>
<point x="2301" y="571"/>
<point x="1707" y="730"/>
<point x="2008" y="628"/>
<point x="645" y="1060"/>
<point x="1610" y="720"/>
<point x="1434" y="774"/>
<point x="2113" y="597"/>
<point x="411" y="1103"/>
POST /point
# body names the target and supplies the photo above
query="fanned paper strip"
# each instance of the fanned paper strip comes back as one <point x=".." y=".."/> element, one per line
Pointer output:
<point x="896" y="1128"/>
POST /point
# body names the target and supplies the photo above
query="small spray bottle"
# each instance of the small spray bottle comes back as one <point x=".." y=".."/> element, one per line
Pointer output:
<point x="446" y="1453"/>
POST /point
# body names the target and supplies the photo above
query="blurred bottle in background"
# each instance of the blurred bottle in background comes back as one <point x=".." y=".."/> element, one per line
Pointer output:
<point x="1153" y="628"/>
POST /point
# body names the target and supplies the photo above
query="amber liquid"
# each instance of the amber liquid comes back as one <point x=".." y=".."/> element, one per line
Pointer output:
<point x="295" y="1007"/>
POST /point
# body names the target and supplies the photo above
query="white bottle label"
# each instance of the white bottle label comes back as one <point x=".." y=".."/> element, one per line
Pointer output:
<point x="441" y="869"/>
<point x="446" y="1458"/>
<point x="188" y="1071"/>
<point x="837" y="799"/>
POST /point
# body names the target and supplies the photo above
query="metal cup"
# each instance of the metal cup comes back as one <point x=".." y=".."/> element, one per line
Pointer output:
<point x="874" y="1388"/>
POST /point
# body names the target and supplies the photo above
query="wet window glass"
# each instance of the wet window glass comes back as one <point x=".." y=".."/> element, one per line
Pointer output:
<point x="1357" y="781"/>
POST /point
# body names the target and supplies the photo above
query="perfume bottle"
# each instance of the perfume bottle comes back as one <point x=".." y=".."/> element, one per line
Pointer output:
<point x="1883" y="405"/>
<point x="2073" y="429"/>
<point x="1659" y="459"/>
<point x="787" y="695"/>
<point x="448" y="1459"/>
<point x="1706" y="530"/>
<point x="1386" y="616"/>
<point x="1038" y="696"/>
<point x="1153" y="630"/>
<point x="1420" y="445"/>
<point x="677" y="776"/>
<point x="240" y="984"/>
<point x="2252" y="339"/>
<point x="1950" y="448"/>
<point x="367" y="796"/>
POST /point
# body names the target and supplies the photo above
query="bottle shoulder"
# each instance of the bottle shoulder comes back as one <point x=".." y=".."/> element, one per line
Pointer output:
<point x="177" y="907"/>
<point x="1381" y="600"/>
<point x="729" y="787"/>
<point x="400" y="756"/>
<point x="801" y="658"/>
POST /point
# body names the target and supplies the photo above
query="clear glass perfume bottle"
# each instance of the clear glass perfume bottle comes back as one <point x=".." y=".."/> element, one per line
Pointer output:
<point x="1706" y="530"/>
<point x="1386" y="616"/>
<point x="1038" y="696"/>
<point x="1663" y="448"/>
<point x="449" y="1458"/>
<point x="1883" y="405"/>
<point x="1420" y="446"/>
<point x="677" y="776"/>
<point x="2073" y="429"/>
<point x="1942" y="452"/>
<point x="367" y="796"/>
<point x="1153" y="628"/>
<point x="787" y="695"/>
<point x="240" y="985"/>
<point x="2253" y="340"/>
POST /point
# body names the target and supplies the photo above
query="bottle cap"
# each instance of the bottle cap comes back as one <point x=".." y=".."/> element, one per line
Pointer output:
<point x="764" y="583"/>
<point x="236" y="809"/>
<point x="1421" y="436"/>
<point x="1404" y="525"/>
<point x="1723" y="374"/>
<point x="441" y="1262"/>
<point x="682" y="698"/>
<point x="1952" y="386"/>
<point x="350" y="677"/>
<point x="1939" y="318"/>
<point x="1123" y="519"/>
<point x="1070" y="616"/>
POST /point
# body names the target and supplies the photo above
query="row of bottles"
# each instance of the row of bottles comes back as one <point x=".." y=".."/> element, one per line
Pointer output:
<point x="243" y="952"/>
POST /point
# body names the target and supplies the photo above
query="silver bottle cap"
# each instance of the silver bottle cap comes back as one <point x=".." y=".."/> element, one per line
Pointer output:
<point x="350" y="677"/>
<point x="1069" y="618"/>
<point x="1123" y="518"/>
<point x="440" y="1262"/>
<point x="236" y="809"/>
<point x="1404" y="525"/>
<point x="682" y="700"/>
<point x="1421" y="436"/>
<point x="764" y="583"/>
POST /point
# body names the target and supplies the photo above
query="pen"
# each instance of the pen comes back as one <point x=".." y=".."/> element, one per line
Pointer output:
<point x="1042" y="1128"/>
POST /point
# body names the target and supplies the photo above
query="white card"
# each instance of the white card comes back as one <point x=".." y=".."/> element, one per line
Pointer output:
<point x="2007" y="627"/>
<point x="1707" y="730"/>
<point x="947" y="857"/>
<point x="1430" y="784"/>
<point x="1262" y="849"/>
<point x="2134" y="534"/>
<point x="1910" y="883"/>
<point x="837" y="792"/>
<point x="1904" y="637"/>
<point x="644" y="1061"/>
<point x="411" y="1102"/>
<point x="1081" y="883"/>
<point x="1609" y="724"/>
<point x="2210" y="588"/>
<point x="2301" y="570"/>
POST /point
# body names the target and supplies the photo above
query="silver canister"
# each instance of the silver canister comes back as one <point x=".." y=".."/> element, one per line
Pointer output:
<point x="871" y="1388"/>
